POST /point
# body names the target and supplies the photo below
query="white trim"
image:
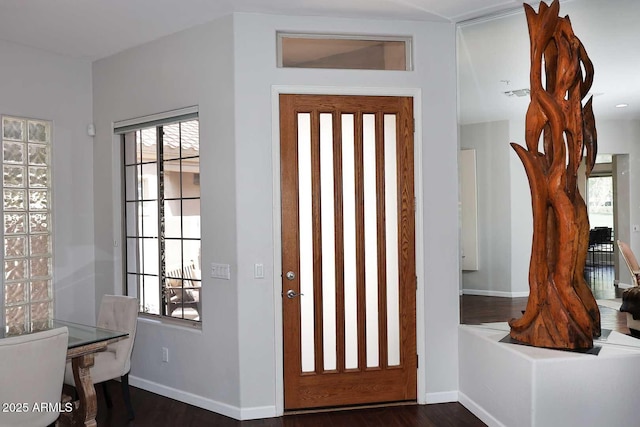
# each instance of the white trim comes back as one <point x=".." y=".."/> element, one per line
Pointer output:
<point x="257" y="412"/>
<point x="478" y="411"/>
<point x="416" y="93"/>
<point x="441" y="397"/>
<point x="203" y="402"/>
<point x="119" y="285"/>
<point x="419" y="249"/>
<point x="155" y="117"/>
<point x="171" y="323"/>
<point x="277" y="252"/>
<point x="487" y="293"/>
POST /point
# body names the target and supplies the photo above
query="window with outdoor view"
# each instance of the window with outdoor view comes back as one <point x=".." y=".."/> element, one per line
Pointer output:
<point x="26" y="206"/>
<point x="162" y="216"/>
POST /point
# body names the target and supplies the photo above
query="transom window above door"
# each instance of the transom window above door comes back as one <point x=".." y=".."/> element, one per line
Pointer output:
<point x="344" y="51"/>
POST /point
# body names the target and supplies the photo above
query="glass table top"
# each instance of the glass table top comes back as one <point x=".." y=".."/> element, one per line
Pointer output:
<point x="79" y="334"/>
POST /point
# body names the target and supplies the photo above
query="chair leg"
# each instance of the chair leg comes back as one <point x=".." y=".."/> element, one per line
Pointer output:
<point x="107" y="397"/>
<point x="124" y="382"/>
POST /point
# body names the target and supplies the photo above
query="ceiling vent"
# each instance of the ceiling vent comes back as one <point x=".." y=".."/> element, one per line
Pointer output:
<point x="518" y="92"/>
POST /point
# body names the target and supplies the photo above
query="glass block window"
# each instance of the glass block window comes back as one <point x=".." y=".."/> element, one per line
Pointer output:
<point x="26" y="210"/>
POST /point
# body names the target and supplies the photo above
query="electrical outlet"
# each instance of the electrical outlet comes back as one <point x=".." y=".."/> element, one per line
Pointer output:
<point x="165" y="354"/>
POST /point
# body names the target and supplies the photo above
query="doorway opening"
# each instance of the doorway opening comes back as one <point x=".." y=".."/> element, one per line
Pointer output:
<point x="600" y="266"/>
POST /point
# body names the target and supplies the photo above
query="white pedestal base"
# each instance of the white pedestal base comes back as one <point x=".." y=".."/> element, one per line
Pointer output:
<point x="517" y="386"/>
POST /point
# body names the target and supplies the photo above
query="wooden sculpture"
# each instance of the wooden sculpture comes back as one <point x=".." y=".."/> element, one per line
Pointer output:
<point x="561" y="311"/>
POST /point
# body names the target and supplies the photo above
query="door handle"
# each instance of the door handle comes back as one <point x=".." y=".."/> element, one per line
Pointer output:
<point x="292" y="294"/>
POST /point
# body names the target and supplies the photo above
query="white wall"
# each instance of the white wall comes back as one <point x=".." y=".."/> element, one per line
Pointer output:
<point x="42" y="85"/>
<point x="614" y="137"/>
<point x="194" y="67"/>
<point x="621" y="209"/>
<point x="256" y="73"/>
<point x="491" y="141"/>
<point x="521" y="214"/>
<point x="623" y="137"/>
<point x="468" y="210"/>
<point x="228" y="68"/>
<point x="504" y="201"/>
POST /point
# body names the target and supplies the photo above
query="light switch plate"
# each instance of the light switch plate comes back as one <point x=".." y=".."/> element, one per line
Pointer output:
<point x="220" y="271"/>
<point x="258" y="271"/>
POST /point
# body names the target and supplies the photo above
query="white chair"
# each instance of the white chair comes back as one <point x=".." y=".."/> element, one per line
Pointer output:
<point x="31" y="373"/>
<point x="117" y="313"/>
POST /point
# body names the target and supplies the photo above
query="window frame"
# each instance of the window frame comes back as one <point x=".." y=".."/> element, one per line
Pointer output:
<point x="123" y="130"/>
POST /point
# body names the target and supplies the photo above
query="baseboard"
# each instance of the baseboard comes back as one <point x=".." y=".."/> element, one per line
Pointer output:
<point x="257" y="412"/>
<point x="502" y="294"/>
<point x="442" y="397"/>
<point x="203" y="402"/>
<point x="478" y="411"/>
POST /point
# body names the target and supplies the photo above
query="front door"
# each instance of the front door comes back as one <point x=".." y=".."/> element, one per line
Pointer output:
<point x="348" y="250"/>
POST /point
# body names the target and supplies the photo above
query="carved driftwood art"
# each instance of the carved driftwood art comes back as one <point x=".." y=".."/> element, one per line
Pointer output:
<point x="561" y="311"/>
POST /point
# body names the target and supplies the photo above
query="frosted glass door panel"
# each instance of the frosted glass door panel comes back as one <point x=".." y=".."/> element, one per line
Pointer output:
<point x="349" y="230"/>
<point x="370" y="236"/>
<point x="373" y="155"/>
<point x="306" y="242"/>
<point x="391" y="218"/>
<point x="328" y="242"/>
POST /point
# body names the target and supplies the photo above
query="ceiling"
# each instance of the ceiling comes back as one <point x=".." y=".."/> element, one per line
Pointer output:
<point x="493" y="57"/>
<point x="94" y="29"/>
<point x="492" y="38"/>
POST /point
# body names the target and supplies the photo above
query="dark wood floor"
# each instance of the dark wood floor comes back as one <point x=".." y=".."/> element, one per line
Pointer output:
<point x="153" y="410"/>
<point x="157" y="411"/>
<point x="480" y="309"/>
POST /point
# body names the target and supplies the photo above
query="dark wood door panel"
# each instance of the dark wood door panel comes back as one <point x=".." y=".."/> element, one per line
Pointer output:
<point x="388" y="132"/>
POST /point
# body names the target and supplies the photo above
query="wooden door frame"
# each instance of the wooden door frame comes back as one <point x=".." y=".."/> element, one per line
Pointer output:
<point x="416" y="94"/>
